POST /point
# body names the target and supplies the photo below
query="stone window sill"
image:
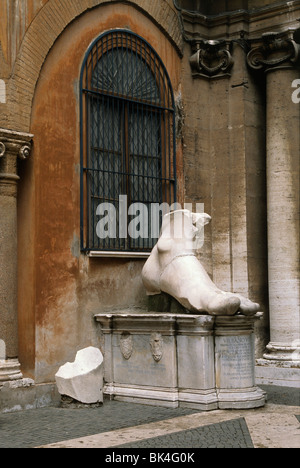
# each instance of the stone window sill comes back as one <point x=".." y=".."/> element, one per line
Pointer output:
<point x="105" y="254"/>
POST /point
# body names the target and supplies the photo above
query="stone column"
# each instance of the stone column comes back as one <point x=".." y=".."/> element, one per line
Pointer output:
<point x="277" y="55"/>
<point x="14" y="146"/>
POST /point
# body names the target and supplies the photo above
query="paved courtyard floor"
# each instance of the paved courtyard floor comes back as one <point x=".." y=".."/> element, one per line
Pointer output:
<point x="127" y="426"/>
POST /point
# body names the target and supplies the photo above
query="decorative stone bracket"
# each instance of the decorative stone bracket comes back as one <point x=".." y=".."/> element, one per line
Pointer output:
<point x="274" y="50"/>
<point x="212" y="59"/>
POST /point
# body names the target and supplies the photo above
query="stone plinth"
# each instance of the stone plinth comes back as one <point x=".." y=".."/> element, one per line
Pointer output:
<point x="195" y="361"/>
<point x="235" y="363"/>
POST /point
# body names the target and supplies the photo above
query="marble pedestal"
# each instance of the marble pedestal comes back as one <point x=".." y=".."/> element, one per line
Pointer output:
<point x="195" y="361"/>
<point x="235" y="363"/>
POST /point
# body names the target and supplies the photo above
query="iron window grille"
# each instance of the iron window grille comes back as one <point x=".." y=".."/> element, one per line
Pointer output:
<point x="127" y="132"/>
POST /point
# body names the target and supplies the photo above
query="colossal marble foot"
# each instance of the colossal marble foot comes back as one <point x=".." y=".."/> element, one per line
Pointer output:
<point x="247" y="307"/>
<point x="222" y="304"/>
<point x="173" y="268"/>
<point x="201" y="295"/>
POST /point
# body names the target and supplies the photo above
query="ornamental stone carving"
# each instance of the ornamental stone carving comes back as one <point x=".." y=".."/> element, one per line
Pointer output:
<point x="24" y="152"/>
<point x="15" y="144"/>
<point x="156" y="344"/>
<point x="211" y="59"/>
<point x="126" y="345"/>
<point x="274" y="50"/>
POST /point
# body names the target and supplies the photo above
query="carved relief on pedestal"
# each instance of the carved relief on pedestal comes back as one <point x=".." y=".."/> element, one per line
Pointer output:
<point x="156" y="344"/>
<point x="274" y="50"/>
<point x="212" y="59"/>
<point x="126" y="345"/>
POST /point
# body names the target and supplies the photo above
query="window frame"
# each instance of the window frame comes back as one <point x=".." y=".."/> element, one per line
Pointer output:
<point x="167" y="111"/>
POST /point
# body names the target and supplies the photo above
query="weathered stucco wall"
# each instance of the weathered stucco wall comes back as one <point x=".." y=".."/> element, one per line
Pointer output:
<point x="224" y="168"/>
<point x="60" y="289"/>
<point x="27" y="49"/>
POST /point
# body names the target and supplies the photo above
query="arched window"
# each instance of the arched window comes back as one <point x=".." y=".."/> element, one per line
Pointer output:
<point x="127" y="116"/>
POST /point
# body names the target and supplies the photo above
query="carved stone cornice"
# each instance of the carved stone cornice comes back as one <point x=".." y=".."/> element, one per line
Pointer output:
<point x="212" y="59"/>
<point x="274" y="50"/>
<point x="197" y="24"/>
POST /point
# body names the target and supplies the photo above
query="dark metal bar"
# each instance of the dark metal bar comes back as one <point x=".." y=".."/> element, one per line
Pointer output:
<point x="107" y="171"/>
<point x="124" y="98"/>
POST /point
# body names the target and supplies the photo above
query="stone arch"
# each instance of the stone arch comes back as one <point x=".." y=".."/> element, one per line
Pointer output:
<point x="49" y="23"/>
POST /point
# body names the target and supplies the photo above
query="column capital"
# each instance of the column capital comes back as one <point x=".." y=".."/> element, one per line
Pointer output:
<point x="211" y="59"/>
<point x="13" y="146"/>
<point x="274" y="50"/>
<point x="15" y="143"/>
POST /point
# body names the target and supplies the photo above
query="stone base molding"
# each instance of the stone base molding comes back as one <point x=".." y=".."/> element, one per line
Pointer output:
<point x="24" y="394"/>
<point x="279" y="352"/>
<point x="10" y="370"/>
<point x="279" y="373"/>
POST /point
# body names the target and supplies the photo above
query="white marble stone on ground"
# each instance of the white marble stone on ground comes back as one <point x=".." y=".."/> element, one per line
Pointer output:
<point x="83" y="378"/>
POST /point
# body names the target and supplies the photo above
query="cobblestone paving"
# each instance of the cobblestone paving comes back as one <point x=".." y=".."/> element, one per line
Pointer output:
<point x="228" y="434"/>
<point x="48" y="425"/>
<point x="108" y="426"/>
